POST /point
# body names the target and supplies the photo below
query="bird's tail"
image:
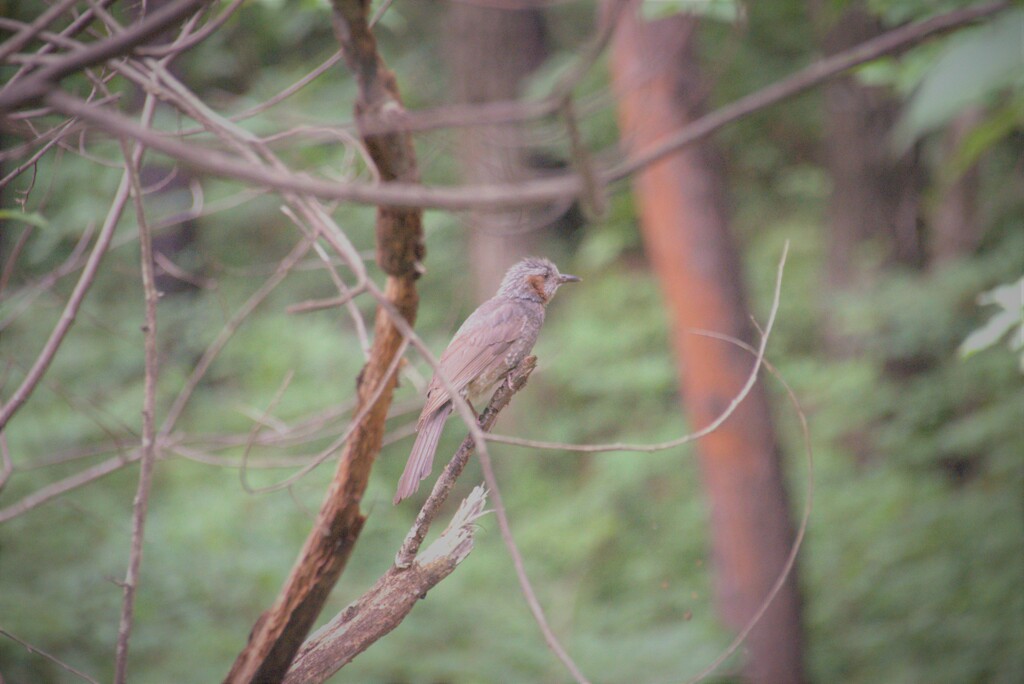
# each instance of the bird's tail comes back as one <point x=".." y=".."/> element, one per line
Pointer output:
<point x="422" y="456"/>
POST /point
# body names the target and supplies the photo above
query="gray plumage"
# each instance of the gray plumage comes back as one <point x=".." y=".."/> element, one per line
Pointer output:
<point x="488" y="345"/>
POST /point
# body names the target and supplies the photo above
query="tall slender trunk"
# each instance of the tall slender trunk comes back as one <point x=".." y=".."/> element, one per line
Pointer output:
<point x="684" y="221"/>
<point x="874" y="209"/>
<point x="492" y="51"/>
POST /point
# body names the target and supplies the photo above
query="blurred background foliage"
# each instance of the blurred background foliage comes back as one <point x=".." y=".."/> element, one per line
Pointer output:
<point x="912" y="568"/>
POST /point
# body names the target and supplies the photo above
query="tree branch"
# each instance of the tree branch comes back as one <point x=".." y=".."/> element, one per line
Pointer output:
<point x="408" y="193"/>
<point x="140" y="505"/>
<point x="812" y="75"/>
<point x="40" y="82"/>
<point x="280" y="631"/>
<point x="387" y="603"/>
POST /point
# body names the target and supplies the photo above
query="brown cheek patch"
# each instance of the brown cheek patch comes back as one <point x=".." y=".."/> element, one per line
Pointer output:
<point x="537" y="283"/>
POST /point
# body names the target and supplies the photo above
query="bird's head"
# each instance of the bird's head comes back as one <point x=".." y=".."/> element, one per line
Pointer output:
<point x="535" y="279"/>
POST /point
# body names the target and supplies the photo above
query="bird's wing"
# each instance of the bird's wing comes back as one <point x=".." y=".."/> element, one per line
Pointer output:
<point x="478" y="345"/>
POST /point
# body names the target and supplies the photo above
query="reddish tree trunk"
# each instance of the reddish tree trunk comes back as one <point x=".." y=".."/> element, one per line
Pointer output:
<point x="685" y="230"/>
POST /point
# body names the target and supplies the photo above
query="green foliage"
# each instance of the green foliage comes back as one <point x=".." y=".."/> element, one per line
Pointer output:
<point x="916" y="540"/>
<point x="1008" y="319"/>
<point x="976" y="65"/>
<point x="717" y="10"/>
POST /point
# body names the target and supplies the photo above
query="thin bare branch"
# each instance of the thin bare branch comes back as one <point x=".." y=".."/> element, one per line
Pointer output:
<point x="592" y="200"/>
<point x="229" y="329"/>
<point x="185" y="41"/>
<point x="805" y="518"/>
<point x="39" y="82"/>
<point x="61" y="487"/>
<point x="30" y="292"/>
<point x="7" y="466"/>
<point x="80" y="23"/>
<point x="49" y="351"/>
<point x="23" y="37"/>
<point x="140" y="505"/>
<point x="53" y="659"/>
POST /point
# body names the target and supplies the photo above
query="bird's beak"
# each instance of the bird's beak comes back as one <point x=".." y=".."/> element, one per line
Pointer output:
<point x="566" y="278"/>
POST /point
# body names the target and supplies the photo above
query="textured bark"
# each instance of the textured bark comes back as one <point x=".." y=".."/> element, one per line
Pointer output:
<point x="387" y="603"/>
<point x="491" y="51"/>
<point x="280" y="631"/>
<point x="685" y="229"/>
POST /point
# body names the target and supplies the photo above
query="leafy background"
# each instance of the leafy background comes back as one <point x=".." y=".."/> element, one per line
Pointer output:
<point x="912" y="568"/>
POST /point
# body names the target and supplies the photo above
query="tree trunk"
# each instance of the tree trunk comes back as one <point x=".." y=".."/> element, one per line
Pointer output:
<point x="492" y="51"/>
<point x="955" y="229"/>
<point x="684" y="222"/>
<point x="875" y="194"/>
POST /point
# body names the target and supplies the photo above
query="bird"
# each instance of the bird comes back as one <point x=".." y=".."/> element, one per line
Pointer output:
<point x="485" y="349"/>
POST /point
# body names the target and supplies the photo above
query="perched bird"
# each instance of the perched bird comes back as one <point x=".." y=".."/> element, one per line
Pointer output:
<point x="492" y="342"/>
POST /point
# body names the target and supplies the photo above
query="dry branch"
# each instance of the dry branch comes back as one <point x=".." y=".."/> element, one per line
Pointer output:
<point x="407" y="193"/>
<point x="280" y="631"/>
<point x="140" y="505"/>
<point x="387" y="603"/>
<point x="40" y="82"/>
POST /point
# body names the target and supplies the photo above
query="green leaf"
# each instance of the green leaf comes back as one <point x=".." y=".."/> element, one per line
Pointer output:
<point x="1010" y="300"/>
<point x="980" y="63"/>
<point x="728" y="11"/>
<point x="34" y="219"/>
<point x="983" y="137"/>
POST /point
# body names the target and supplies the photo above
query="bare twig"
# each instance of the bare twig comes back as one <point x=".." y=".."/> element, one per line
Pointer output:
<point x="42" y="81"/>
<point x="186" y="42"/>
<point x="347" y="294"/>
<point x="53" y="659"/>
<point x="805" y="518"/>
<point x="257" y="425"/>
<point x="321" y="69"/>
<point x="140" y="505"/>
<point x="79" y="24"/>
<point x="25" y="35"/>
<point x="28" y="293"/>
<point x="55" y="135"/>
<point x="592" y="199"/>
<point x="229" y="329"/>
<point x="5" y="458"/>
<point x="56" y="489"/>
<point x="349" y="430"/>
<point x="45" y="358"/>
